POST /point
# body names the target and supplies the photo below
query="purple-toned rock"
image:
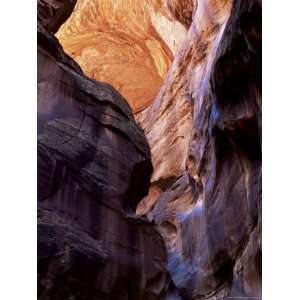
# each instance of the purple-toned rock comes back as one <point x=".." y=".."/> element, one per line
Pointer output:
<point x="94" y="166"/>
<point x="53" y="13"/>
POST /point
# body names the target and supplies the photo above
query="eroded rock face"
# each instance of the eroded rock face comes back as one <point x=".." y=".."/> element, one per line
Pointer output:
<point x="182" y="10"/>
<point x="53" y="13"/>
<point x="94" y="166"/>
<point x="129" y="44"/>
<point x="204" y="131"/>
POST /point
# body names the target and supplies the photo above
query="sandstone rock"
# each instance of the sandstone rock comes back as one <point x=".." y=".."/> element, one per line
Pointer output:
<point x="204" y="131"/>
<point x="94" y="166"/>
<point x="168" y="121"/>
<point x="128" y="43"/>
<point x="182" y="10"/>
<point x="53" y="13"/>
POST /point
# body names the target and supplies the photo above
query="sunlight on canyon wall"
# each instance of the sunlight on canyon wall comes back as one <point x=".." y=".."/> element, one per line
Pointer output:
<point x="129" y="44"/>
<point x="191" y="71"/>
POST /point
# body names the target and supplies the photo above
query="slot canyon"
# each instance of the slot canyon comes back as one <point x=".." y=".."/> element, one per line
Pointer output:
<point x="149" y="149"/>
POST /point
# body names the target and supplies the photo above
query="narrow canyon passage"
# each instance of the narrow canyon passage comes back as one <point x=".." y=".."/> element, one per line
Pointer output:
<point x="149" y="149"/>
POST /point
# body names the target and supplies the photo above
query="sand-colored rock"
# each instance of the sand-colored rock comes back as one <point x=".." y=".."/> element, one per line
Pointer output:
<point x="168" y="121"/>
<point x="204" y="131"/>
<point x="127" y="43"/>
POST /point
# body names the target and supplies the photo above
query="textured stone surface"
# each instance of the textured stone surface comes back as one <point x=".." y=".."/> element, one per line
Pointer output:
<point x="53" y="13"/>
<point x="128" y="43"/>
<point x="204" y="131"/>
<point x="93" y="168"/>
<point x="182" y="10"/>
<point x="168" y="122"/>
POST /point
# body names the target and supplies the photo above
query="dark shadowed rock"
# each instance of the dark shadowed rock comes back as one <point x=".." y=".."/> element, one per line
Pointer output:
<point x="53" y="13"/>
<point x="94" y="166"/>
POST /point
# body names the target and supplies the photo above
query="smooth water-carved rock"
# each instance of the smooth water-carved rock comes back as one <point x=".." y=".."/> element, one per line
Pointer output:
<point x="204" y="131"/>
<point x="94" y="166"/>
<point x="168" y="122"/>
<point x="129" y="44"/>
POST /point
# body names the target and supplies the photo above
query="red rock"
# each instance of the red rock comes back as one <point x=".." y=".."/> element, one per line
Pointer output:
<point x="204" y="134"/>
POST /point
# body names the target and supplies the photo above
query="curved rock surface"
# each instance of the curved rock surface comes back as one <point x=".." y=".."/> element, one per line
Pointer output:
<point x="94" y="167"/>
<point x="127" y="43"/>
<point x="182" y="10"/>
<point x="204" y="131"/>
<point x="53" y="13"/>
<point x="94" y="162"/>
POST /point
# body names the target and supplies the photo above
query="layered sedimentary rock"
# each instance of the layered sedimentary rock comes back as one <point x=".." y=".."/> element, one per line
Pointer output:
<point x="129" y="44"/>
<point x="94" y="167"/>
<point x="182" y="10"/>
<point x="204" y="131"/>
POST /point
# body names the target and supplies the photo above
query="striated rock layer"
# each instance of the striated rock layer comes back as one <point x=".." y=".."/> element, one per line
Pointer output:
<point x="204" y="131"/>
<point x="94" y="167"/>
<point x="127" y="43"/>
<point x="94" y="163"/>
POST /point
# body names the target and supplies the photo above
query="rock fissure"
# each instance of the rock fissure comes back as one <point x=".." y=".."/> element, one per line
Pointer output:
<point x="160" y="197"/>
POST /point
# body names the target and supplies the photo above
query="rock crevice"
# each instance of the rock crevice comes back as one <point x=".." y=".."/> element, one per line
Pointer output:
<point x="184" y="152"/>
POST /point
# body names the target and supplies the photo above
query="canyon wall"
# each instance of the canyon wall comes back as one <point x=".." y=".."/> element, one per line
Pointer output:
<point x="127" y="43"/>
<point x="191" y="72"/>
<point x="94" y="166"/>
<point x="204" y="131"/>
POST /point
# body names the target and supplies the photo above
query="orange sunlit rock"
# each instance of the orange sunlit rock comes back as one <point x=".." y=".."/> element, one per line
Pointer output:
<point x="127" y="43"/>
